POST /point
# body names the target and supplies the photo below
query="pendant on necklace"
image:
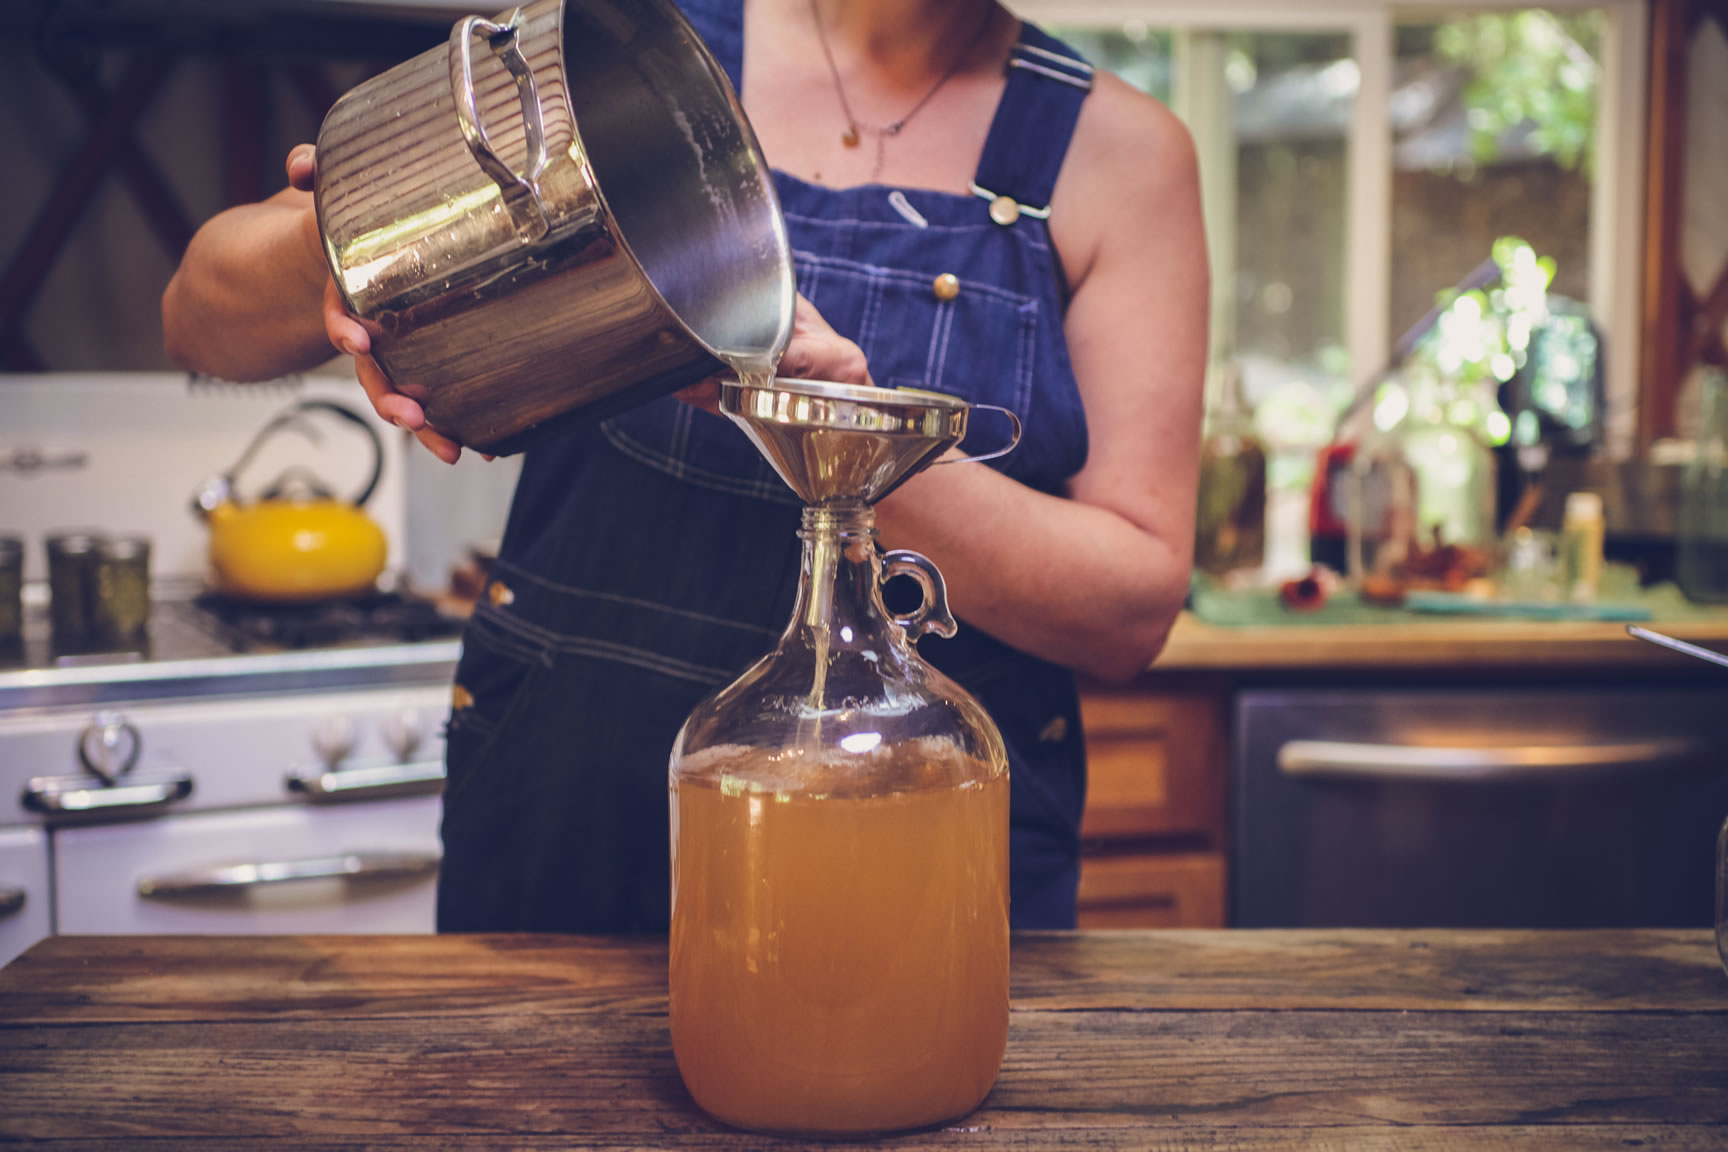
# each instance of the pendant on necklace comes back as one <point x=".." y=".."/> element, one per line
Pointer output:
<point x="850" y="137"/>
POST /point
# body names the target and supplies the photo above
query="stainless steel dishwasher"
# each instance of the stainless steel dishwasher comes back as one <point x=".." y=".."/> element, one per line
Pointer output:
<point x="1588" y="806"/>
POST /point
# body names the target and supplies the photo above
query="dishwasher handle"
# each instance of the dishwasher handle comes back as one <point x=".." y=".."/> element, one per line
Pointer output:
<point x="1334" y="759"/>
<point x="223" y="878"/>
<point x="336" y="785"/>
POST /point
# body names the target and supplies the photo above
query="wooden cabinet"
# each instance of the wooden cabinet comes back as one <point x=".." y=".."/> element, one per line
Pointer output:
<point x="1153" y="831"/>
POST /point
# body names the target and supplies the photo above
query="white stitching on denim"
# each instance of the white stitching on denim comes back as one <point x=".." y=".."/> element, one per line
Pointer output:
<point x="679" y="447"/>
<point x="915" y="280"/>
<point x="897" y="201"/>
<point x="1032" y="237"/>
<point x="873" y="285"/>
<point x="1028" y="353"/>
<point x="1079" y="66"/>
<point x="563" y="643"/>
<point x="1082" y="83"/>
<point x="640" y="658"/>
<point x="936" y="359"/>
<point x="523" y="574"/>
<point x="771" y="489"/>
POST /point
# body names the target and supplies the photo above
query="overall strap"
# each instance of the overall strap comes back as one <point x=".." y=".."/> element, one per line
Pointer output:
<point x="720" y="23"/>
<point x="1047" y="82"/>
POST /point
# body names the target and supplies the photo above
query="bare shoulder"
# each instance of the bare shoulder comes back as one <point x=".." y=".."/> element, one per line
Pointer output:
<point x="1130" y="171"/>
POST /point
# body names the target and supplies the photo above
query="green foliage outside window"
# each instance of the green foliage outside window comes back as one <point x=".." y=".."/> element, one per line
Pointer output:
<point x="1531" y="67"/>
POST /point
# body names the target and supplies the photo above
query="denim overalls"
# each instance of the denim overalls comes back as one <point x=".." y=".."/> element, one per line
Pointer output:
<point x="649" y="560"/>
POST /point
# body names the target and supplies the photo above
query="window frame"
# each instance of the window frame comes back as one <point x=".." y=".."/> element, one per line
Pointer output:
<point x="1617" y="194"/>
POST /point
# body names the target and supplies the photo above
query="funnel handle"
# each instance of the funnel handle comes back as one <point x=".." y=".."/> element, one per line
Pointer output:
<point x="1013" y="440"/>
<point x="932" y="614"/>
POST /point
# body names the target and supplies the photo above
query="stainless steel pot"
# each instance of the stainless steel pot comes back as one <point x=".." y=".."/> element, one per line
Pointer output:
<point x="560" y="214"/>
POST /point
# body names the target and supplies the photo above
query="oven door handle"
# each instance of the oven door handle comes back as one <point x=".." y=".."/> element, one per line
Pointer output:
<point x="369" y="783"/>
<point x="76" y="798"/>
<point x="1332" y="759"/>
<point x="238" y="877"/>
<point x="11" y="901"/>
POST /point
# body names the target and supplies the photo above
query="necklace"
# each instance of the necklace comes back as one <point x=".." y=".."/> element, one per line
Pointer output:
<point x="857" y="129"/>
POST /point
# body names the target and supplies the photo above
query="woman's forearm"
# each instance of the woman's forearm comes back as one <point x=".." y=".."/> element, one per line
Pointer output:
<point x="245" y="303"/>
<point x="1072" y="583"/>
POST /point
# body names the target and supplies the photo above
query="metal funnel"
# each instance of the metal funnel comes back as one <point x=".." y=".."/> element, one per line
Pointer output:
<point x="838" y="443"/>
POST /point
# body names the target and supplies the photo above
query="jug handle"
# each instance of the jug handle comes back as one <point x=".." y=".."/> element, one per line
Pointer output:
<point x="932" y="614"/>
<point x="521" y="193"/>
<point x="1013" y="440"/>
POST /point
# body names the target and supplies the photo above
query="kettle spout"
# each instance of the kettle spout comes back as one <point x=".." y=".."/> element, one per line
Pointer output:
<point x="213" y="499"/>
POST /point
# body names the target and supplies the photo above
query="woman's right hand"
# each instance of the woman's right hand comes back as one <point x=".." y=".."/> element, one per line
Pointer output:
<point x="814" y="352"/>
<point x="352" y="337"/>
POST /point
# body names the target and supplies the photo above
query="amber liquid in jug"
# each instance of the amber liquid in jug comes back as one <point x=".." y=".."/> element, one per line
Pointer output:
<point x="839" y="964"/>
<point x="839" y="938"/>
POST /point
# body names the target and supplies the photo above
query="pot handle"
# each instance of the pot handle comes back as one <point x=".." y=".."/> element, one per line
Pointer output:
<point x="521" y="193"/>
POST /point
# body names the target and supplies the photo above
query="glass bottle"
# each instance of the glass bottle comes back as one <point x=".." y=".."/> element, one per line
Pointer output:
<point x="1379" y="505"/>
<point x="1701" y="550"/>
<point x="1425" y="487"/>
<point x="839" y="936"/>
<point x="1230" y="528"/>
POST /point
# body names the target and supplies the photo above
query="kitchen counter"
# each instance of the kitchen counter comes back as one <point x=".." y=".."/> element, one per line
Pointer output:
<point x="1254" y="1040"/>
<point x="1434" y="643"/>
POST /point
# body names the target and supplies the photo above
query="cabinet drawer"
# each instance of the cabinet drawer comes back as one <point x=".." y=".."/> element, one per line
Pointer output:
<point x="282" y="883"/>
<point x="1155" y="765"/>
<point x="1152" y="891"/>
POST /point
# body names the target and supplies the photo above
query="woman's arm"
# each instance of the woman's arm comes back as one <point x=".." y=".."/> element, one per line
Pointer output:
<point x="1095" y="581"/>
<point x="246" y="301"/>
<point x="253" y="299"/>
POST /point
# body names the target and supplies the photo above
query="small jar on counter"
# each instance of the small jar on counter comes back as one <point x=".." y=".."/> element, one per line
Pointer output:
<point x="71" y="589"/>
<point x="121" y="610"/>
<point x="1582" y="533"/>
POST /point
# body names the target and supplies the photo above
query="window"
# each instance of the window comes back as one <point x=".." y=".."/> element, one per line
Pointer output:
<point x="1361" y="157"/>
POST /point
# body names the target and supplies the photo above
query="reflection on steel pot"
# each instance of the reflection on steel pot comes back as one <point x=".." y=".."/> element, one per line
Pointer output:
<point x="560" y="214"/>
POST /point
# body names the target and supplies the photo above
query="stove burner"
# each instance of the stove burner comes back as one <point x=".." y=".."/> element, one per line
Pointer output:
<point x="374" y="618"/>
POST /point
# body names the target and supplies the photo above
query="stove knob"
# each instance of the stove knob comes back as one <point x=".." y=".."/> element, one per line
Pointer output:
<point x="333" y="740"/>
<point x="108" y="746"/>
<point x="402" y="734"/>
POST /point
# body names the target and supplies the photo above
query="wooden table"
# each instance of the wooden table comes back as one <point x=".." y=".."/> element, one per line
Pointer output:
<point x="1217" y="1040"/>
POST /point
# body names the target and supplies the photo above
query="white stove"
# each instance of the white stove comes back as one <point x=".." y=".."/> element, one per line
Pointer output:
<point x="239" y="771"/>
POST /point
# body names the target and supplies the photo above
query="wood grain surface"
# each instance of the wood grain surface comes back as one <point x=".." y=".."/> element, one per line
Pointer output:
<point x="1144" y="1040"/>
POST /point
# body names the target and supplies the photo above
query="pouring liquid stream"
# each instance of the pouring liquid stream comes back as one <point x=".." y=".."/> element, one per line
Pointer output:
<point x="756" y="369"/>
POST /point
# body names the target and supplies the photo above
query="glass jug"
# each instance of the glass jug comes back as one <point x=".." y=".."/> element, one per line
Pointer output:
<point x="1422" y="488"/>
<point x="839" y="938"/>
<point x="1230" y="526"/>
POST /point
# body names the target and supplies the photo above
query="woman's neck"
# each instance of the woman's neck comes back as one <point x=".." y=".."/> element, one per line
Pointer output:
<point x="905" y="40"/>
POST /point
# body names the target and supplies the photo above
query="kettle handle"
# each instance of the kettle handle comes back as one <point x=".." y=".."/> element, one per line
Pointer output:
<point x="288" y="416"/>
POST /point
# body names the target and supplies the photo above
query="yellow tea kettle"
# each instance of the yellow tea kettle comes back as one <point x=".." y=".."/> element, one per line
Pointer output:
<point x="296" y="541"/>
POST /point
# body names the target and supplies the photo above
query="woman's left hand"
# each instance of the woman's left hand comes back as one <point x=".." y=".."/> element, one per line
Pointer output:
<point x="815" y="352"/>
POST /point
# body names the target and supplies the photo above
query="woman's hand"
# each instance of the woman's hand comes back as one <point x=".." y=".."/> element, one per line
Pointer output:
<point x="814" y="352"/>
<point x="353" y="338"/>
